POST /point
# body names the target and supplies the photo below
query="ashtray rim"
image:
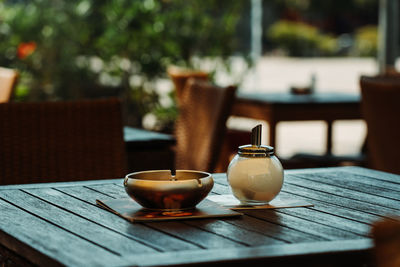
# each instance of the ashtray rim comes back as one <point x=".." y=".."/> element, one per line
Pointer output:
<point x="202" y="175"/>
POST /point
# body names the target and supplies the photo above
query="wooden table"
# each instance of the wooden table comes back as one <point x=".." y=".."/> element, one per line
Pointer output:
<point x="139" y="138"/>
<point x="277" y="107"/>
<point x="148" y="150"/>
<point x="59" y="223"/>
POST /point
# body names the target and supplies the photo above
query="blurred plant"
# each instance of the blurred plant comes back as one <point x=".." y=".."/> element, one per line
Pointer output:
<point x="366" y="41"/>
<point x="300" y="39"/>
<point x="67" y="49"/>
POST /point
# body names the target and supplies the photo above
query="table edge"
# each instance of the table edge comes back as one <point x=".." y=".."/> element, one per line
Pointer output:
<point x="261" y="253"/>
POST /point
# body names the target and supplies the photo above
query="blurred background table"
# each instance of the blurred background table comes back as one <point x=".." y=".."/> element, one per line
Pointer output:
<point x="148" y="150"/>
<point x="276" y="107"/>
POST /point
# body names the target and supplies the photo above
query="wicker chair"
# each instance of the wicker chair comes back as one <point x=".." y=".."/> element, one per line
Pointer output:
<point x="61" y="141"/>
<point x="381" y="109"/>
<point x="8" y="80"/>
<point x="201" y="125"/>
<point x="386" y="235"/>
<point x="180" y="76"/>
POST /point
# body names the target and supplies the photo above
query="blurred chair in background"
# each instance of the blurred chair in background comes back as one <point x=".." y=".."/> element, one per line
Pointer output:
<point x="381" y="111"/>
<point x="61" y="141"/>
<point x="8" y="81"/>
<point x="201" y="124"/>
<point x="233" y="137"/>
<point x="386" y="235"/>
<point x="179" y="77"/>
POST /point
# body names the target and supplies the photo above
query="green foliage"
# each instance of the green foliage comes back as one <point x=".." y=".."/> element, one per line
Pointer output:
<point x="366" y="41"/>
<point x="300" y="39"/>
<point x="89" y="48"/>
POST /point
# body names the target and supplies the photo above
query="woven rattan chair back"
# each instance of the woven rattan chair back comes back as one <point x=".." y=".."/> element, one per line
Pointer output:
<point x="8" y="80"/>
<point x="201" y="125"/>
<point x="381" y="111"/>
<point x="180" y="76"/>
<point x="61" y="141"/>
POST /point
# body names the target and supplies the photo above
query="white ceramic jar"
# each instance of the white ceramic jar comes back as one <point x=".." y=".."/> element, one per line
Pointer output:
<point x="255" y="174"/>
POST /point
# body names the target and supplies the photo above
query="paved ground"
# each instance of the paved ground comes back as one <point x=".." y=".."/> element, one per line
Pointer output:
<point x="332" y="75"/>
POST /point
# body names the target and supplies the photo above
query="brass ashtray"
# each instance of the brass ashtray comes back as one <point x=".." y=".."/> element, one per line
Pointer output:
<point x="160" y="190"/>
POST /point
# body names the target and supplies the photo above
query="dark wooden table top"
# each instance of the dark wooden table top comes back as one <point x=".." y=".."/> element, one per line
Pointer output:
<point x="293" y="99"/>
<point x="59" y="224"/>
<point x="276" y="107"/>
<point x="139" y="138"/>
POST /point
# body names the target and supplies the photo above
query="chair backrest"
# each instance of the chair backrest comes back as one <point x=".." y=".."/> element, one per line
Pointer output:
<point x="8" y="80"/>
<point x="386" y="235"/>
<point x="201" y="124"/>
<point x="381" y="111"/>
<point x="61" y="141"/>
<point x="180" y="76"/>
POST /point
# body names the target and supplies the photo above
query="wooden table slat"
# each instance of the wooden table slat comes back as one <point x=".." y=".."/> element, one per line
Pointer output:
<point x="186" y="231"/>
<point x="179" y="230"/>
<point x="238" y="234"/>
<point x="314" y="215"/>
<point x="89" y="195"/>
<point x="317" y="216"/>
<point x="368" y="173"/>
<point x="61" y="184"/>
<point x="204" y="239"/>
<point x="139" y="232"/>
<point x="390" y="205"/>
<point x="304" y="225"/>
<point x="344" y="177"/>
<point x="301" y="224"/>
<point x="48" y="241"/>
<point x="101" y="236"/>
<point x="313" y="197"/>
<point x="357" y="183"/>
<point x="332" y="209"/>
<point x="339" y="200"/>
<point x="112" y="190"/>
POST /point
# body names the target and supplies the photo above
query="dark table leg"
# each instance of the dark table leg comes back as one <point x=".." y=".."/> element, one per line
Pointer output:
<point x="272" y="134"/>
<point x="329" y="136"/>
